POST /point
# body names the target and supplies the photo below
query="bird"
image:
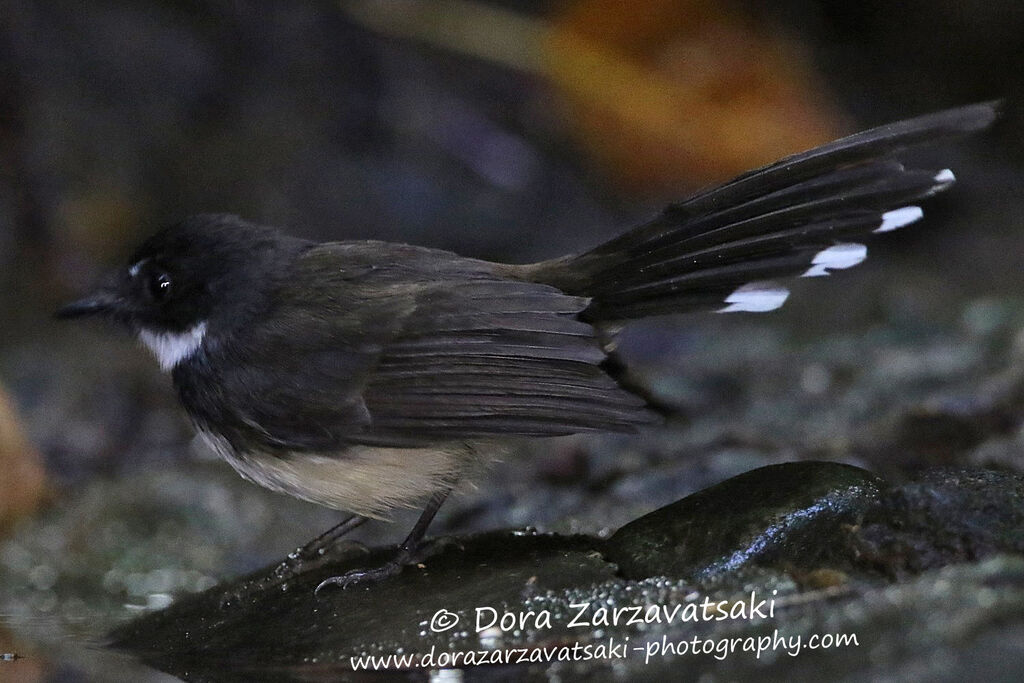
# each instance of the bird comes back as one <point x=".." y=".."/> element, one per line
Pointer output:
<point x="366" y="376"/>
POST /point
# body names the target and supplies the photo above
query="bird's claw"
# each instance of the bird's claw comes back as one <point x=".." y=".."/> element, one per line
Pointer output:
<point x="404" y="558"/>
<point x="360" y="576"/>
<point x="297" y="563"/>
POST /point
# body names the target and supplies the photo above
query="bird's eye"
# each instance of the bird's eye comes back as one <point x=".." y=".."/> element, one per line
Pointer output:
<point x="159" y="285"/>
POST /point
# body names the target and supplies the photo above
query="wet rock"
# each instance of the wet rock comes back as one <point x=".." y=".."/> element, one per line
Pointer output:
<point x="948" y="515"/>
<point x="289" y="628"/>
<point x="803" y="540"/>
<point x="954" y="614"/>
<point x="964" y="622"/>
<point x="780" y="514"/>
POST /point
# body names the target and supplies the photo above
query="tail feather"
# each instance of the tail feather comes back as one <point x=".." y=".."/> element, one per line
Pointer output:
<point x="714" y="250"/>
<point x="857" y="148"/>
<point x="799" y="220"/>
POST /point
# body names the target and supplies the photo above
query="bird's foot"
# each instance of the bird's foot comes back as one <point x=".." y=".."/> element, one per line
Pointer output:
<point x="325" y="547"/>
<point x="296" y="564"/>
<point x="403" y="558"/>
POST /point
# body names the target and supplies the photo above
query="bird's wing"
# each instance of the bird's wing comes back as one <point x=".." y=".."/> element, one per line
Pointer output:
<point x="390" y="345"/>
<point x="484" y="357"/>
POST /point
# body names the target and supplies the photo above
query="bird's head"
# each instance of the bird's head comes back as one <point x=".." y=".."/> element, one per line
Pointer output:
<point x="208" y="271"/>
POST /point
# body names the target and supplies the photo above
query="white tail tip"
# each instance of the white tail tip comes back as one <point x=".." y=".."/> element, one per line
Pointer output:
<point x="755" y="298"/>
<point x="897" y="218"/>
<point x="839" y="257"/>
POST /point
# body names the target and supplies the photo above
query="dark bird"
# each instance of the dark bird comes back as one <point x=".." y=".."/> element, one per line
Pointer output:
<point x="364" y="375"/>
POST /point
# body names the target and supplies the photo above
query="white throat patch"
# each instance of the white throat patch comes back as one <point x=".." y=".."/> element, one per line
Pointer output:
<point x="170" y="348"/>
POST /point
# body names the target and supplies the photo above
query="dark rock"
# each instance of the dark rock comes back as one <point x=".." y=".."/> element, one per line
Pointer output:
<point x="961" y="623"/>
<point x="290" y="630"/>
<point x="948" y="515"/>
<point x="811" y="539"/>
<point x="779" y="515"/>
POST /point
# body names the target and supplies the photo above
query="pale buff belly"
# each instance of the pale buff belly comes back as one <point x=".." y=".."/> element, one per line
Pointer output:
<point x="364" y="480"/>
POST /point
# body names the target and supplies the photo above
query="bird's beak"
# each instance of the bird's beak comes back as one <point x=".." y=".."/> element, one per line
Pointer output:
<point x="104" y="301"/>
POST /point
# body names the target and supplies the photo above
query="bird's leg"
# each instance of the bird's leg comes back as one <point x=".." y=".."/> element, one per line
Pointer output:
<point x="319" y="546"/>
<point x="298" y="561"/>
<point x="411" y="551"/>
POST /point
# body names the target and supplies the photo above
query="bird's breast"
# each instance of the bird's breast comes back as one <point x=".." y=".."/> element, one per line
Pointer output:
<point x="364" y="480"/>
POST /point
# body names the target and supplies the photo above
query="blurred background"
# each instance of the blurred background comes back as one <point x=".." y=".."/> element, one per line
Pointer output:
<point x="512" y="131"/>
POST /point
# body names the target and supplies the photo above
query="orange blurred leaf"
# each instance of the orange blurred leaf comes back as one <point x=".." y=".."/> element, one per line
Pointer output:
<point x="673" y="93"/>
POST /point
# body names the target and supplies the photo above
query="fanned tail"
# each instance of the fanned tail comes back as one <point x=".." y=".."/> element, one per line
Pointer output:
<point x="801" y="216"/>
